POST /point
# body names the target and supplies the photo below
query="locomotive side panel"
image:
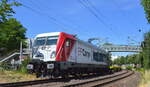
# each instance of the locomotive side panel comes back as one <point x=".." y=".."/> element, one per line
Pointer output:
<point x="87" y="54"/>
<point x="73" y="56"/>
<point x="84" y="53"/>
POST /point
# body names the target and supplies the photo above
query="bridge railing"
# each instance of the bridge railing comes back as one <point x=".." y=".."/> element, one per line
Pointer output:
<point x="122" y="48"/>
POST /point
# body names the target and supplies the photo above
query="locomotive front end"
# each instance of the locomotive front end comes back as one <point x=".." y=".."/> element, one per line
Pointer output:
<point x="43" y="55"/>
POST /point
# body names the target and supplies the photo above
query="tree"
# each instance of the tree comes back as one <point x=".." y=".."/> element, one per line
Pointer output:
<point x="129" y="59"/>
<point x="146" y="5"/>
<point x="146" y="51"/>
<point x="121" y="60"/>
<point x="146" y="42"/>
<point x="6" y="10"/>
<point x="11" y="33"/>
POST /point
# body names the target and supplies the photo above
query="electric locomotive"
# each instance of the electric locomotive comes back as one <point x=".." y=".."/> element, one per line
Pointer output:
<point x="61" y="54"/>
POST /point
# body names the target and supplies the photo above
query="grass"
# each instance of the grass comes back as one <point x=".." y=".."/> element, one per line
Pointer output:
<point x="9" y="75"/>
<point x="145" y="81"/>
<point x="14" y="76"/>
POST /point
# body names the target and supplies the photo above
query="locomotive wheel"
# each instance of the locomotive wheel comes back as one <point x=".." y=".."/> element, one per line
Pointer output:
<point x="56" y="73"/>
<point x="65" y="74"/>
<point x="38" y="75"/>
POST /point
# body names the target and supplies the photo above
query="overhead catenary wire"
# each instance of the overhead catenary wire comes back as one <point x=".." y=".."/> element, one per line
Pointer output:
<point x="124" y="15"/>
<point x="73" y="29"/>
<point x="101" y="14"/>
<point x="98" y="11"/>
<point x="50" y="18"/>
<point x="90" y="10"/>
<point x="87" y="5"/>
<point x="62" y="25"/>
<point x="76" y="29"/>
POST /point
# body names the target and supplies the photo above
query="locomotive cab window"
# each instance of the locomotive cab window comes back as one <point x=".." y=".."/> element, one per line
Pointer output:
<point x="52" y="40"/>
<point x="67" y="42"/>
<point x="40" y="41"/>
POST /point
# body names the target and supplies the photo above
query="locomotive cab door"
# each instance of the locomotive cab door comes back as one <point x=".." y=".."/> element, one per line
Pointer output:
<point x="67" y="49"/>
<point x="64" y="46"/>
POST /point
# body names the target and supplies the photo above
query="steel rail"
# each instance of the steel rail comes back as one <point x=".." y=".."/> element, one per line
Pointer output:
<point x="100" y="81"/>
<point x="27" y="83"/>
<point x="117" y="79"/>
<point x="57" y="80"/>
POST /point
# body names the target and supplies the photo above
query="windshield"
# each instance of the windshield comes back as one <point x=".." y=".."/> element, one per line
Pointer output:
<point x="52" y="40"/>
<point x="40" y="41"/>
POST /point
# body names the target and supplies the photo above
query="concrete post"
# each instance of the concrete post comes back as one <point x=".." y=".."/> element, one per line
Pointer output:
<point x="20" y="58"/>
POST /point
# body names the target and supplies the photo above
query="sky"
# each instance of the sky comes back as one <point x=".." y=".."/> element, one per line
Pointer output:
<point x="115" y="21"/>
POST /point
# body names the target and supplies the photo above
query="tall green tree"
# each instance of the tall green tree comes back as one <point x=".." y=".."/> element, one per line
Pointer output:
<point x="129" y="59"/>
<point x="146" y="42"/>
<point x="11" y="34"/>
<point x="12" y="31"/>
<point x="146" y="51"/>
<point x="6" y="9"/>
<point x="146" y="5"/>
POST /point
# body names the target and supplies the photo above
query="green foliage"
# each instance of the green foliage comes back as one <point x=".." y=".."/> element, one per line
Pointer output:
<point x="23" y="66"/>
<point x="11" y="33"/>
<point x="122" y="60"/>
<point x="146" y="42"/>
<point x="21" y="69"/>
<point x="146" y="51"/>
<point x="143" y="58"/>
<point x="140" y="69"/>
<point x="146" y="5"/>
<point x="129" y="67"/>
<point x="119" y="61"/>
<point x="6" y="9"/>
<point x="4" y="66"/>
<point x="130" y="59"/>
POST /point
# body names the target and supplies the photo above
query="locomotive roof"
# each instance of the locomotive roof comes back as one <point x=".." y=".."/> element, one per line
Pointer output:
<point x="48" y="34"/>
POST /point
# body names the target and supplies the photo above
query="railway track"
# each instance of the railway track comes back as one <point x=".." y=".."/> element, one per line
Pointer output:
<point x="72" y="81"/>
<point x="100" y="81"/>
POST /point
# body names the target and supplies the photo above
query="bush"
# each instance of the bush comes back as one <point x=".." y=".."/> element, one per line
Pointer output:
<point x="5" y="66"/>
<point x="23" y="66"/>
<point x="129" y="68"/>
<point x="142" y="70"/>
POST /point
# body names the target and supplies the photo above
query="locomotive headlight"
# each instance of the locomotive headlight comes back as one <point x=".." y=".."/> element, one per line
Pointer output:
<point x="53" y="54"/>
<point x="29" y="66"/>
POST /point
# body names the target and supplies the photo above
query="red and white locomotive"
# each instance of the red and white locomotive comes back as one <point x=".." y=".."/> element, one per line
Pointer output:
<point x="61" y="54"/>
